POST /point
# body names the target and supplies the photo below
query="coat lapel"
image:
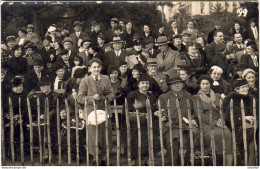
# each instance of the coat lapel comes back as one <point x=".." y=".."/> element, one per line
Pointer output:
<point x="92" y="84"/>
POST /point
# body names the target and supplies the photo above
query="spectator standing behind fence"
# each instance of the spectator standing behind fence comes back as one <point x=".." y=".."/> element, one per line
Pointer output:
<point x="137" y="101"/>
<point x="176" y="44"/>
<point x="167" y="59"/>
<point x="47" y="49"/>
<point x="78" y="35"/>
<point x="250" y="76"/>
<point x="96" y="87"/>
<point x="209" y="100"/>
<point x="189" y="80"/>
<point x="177" y="92"/>
<point x="241" y="92"/>
<point x="136" y="56"/>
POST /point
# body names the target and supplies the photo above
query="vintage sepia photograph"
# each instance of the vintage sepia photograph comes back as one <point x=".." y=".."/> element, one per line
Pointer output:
<point x="129" y="83"/>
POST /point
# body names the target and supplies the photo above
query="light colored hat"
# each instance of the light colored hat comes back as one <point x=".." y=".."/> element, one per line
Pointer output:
<point x="245" y="72"/>
<point x="67" y="39"/>
<point x="162" y="40"/>
<point x="117" y="39"/>
<point x="30" y="26"/>
<point x="152" y="61"/>
<point x="216" y="68"/>
<point x="101" y="117"/>
<point x="51" y="28"/>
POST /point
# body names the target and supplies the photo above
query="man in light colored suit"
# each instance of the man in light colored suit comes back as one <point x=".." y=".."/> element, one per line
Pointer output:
<point x="78" y="35"/>
<point x="168" y="59"/>
<point x="96" y="88"/>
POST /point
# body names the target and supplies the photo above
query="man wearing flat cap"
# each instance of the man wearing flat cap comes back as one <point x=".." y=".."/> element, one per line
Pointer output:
<point x="177" y="93"/>
<point x="167" y="59"/>
<point x="78" y="35"/>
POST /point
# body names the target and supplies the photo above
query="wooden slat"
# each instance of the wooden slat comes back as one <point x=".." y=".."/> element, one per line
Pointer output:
<point x="44" y="132"/>
<point x="170" y="128"/>
<point x="160" y="129"/>
<point x="139" y="137"/>
<point x="58" y="130"/>
<point x="12" y="129"/>
<point x="244" y="130"/>
<point x="107" y="138"/>
<point x="21" y="132"/>
<point x="128" y="134"/>
<point x="223" y="132"/>
<point x="49" y="130"/>
<point x="77" y="130"/>
<point x="86" y="116"/>
<point x="39" y="129"/>
<point x="117" y="136"/>
<point x="31" y="130"/>
<point x="201" y="136"/>
<point x="180" y="131"/>
<point x="212" y="138"/>
<point x="191" y="134"/>
<point x="255" y="128"/>
<point x="233" y="132"/>
<point x="151" y="130"/>
<point x="96" y="143"/>
<point x="68" y="131"/>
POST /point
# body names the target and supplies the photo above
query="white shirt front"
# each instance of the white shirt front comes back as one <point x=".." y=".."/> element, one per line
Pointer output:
<point x="56" y="83"/>
<point x="255" y="32"/>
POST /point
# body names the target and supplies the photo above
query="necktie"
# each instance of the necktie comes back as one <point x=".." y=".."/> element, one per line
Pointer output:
<point x="178" y="97"/>
<point x="60" y="84"/>
<point x="98" y="84"/>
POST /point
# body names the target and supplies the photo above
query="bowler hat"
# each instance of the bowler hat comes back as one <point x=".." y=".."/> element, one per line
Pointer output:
<point x="10" y="38"/>
<point x="148" y="40"/>
<point x="16" y="82"/>
<point x="67" y="39"/>
<point x="238" y="83"/>
<point x="48" y="38"/>
<point x="162" y="40"/>
<point x="151" y="61"/>
<point x="86" y="39"/>
<point x="117" y="39"/>
<point x="175" y="78"/>
<point x="77" y="23"/>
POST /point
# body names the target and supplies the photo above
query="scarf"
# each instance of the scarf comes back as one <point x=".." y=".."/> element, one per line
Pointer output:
<point x="208" y="100"/>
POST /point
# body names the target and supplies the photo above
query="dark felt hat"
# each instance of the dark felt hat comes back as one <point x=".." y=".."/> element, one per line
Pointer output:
<point x="57" y="66"/>
<point x="112" y="68"/>
<point x="29" y="44"/>
<point x="10" y="38"/>
<point x="45" y="81"/>
<point x="205" y="77"/>
<point x="122" y="63"/>
<point x="177" y="36"/>
<point x="143" y="77"/>
<point x="148" y="40"/>
<point x="67" y="39"/>
<point x="77" y="23"/>
<point x="239" y="83"/>
<point x="16" y="82"/>
<point x="137" y="43"/>
<point x="48" y="38"/>
<point x="162" y="40"/>
<point x="139" y="68"/>
<point x="38" y="62"/>
<point x="86" y="39"/>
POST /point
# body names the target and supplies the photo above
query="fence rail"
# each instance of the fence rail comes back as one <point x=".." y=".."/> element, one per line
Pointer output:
<point x="46" y="145"/>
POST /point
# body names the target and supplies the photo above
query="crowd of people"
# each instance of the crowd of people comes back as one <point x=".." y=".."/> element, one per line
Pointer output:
<point x="121" y="63"/>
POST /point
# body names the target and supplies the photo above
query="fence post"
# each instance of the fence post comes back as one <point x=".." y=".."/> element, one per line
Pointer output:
<point x="21" y="132"/>
<point x="58" y="130"/>
<point x="31" y="129"/>
<point x="3" y="135"/>
<point x="212" y="137"/>
<point x="49" y="130"/>
<point x="107" y="138"/>
<point x="233" y="132"/>
<point x="139" y="137"/>
<point x="255" y="128"/>
<point x="12" y="129"/>
<point x="86" y="116"/>
<point x="244" y="130"/>
<point x="160" y="128"/>
<point x="44" y="132"/>
<point x="191" y="134"/>
<point x="128" y="133"/>
<point x="223" y="132"/>
<point x="150" y="129"/>
<point x="68" y="131"/>
<point x="148" y="132"/>
<point x="117" y="136"/>
<point x="39" y="128"/>
<point x="96" y="143"/>
<point x="201" y="135"/>
<point x="180" y="131"/>
<point x="170" y="127"/>
<point x="77" y="129"/>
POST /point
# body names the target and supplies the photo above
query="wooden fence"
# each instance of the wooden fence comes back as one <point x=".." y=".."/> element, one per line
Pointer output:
<point x="46" y="145"/>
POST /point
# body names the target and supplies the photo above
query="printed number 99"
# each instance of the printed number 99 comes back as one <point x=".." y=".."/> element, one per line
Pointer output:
<point x="241" y="11"/>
